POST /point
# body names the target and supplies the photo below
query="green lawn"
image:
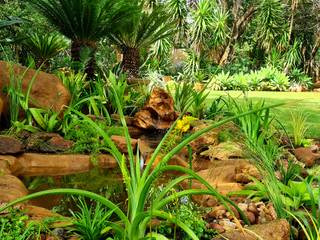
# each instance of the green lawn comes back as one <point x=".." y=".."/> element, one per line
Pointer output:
<point x="307" y="102"/>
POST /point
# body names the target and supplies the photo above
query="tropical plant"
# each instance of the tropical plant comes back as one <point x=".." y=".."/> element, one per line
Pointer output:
<point x="270" y="23"/>
<point x="299" y="127"/>
<point x="90" y="221"/>
<point x="294" y="194"/>
<point x="44" y="47"/>
<point x="216" y="108"/>
<point x="254" y="126"/>
<point x="309" y="221"/>
<point x="84" y="22"/>
<point x="141" y="30"/>
<point x="46" y="120"/>
<point x="182" y="95"/>
<point x="19" y="99"/>
<point x="198" y="105"/>
<point x="134" y="223"/>
<point x="178" y="12"/>
<point x="298" y="78"/>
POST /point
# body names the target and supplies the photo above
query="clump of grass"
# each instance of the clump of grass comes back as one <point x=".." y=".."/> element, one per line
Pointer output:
<point x="299" y="127"/>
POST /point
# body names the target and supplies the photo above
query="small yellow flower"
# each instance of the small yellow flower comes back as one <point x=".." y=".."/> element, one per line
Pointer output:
<point x="183" y="125"/>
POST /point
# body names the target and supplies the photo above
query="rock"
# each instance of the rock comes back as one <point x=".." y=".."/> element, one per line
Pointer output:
<point x="10" y="145"/>
<point x="39" y="213"/>
<point x="251" y="217"/>
<point x="275" y="230"/>
<point x="10" y="162"/>
<point x="223" y="151"/>
<point x="43" y="142"/>
<point x="32" y="164"/>
<point x="206" y="140"/>
<point x="158" y="113"/>
<point x="244" y="173"/>
<point x="47" y="91"/>
<point x="222" y="176"/>
<point x="306" y="156"/>
<point x="220" y="229"/>
<point x="121" y="143"/>
<point x="11" y="188"/>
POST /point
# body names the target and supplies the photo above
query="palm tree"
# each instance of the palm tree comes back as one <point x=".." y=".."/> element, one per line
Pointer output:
<point x="84" y="22"/>
<point x="143" y="28"/>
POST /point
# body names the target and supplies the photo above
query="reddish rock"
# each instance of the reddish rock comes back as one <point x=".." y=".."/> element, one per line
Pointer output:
<point x="43" y="142"/>
<point x="220" y="229"/>
<point x="60" y="143"/>
<point x="47" y="91"/>
<point x="10" y="145"/>
<point x="121" y="143"/>
<point x="306" y="156"/>
<point x="158" y="113"/>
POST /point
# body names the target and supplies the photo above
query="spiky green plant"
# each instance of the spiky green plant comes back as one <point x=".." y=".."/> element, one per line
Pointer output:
<point x="133" y="224"/>
<point x="44" y="47"/>
<point x="141" y="30"/>
<point x="299" y="124"/>
<point x="270" y="23"/>
<point x="90" y="222"/>
<point x="84" y="22"/>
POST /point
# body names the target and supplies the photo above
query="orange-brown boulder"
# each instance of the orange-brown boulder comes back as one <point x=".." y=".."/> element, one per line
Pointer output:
<point x="32" y="164"/>
<point x="158" y="113"/>
<point x="11" y="188"/>
<point x="47" y="91"/>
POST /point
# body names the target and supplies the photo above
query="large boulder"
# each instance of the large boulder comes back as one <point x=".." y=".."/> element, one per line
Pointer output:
<point x="158" y="113"/>
<point x="47" y="91"/>
<point x="32" y="164"/>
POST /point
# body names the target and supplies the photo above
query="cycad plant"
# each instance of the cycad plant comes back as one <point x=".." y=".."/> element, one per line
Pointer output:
<point x="44" y="47"/>
<point x="141" y="30"/>
<point x="132" y="224"/>
<point x="84" y="22"/>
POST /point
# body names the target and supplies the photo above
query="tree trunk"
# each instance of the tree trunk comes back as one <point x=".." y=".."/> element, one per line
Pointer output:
<point x="90" y="65"/>
<point x="238" y="28"/>
<point x="131" y="61"/>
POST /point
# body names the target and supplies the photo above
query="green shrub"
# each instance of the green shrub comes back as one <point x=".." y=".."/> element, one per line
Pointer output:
<point x="266" y="79"/>
<point x="15" y="226"/>
<point x="298" y="78"/>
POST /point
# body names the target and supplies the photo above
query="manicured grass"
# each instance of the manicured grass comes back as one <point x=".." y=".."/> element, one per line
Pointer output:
<point x="307" y="102"/>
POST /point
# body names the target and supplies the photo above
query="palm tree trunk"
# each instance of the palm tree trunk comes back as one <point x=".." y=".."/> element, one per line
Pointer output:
<point x="76" y="47"/>
<point x="131" y="61"/>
